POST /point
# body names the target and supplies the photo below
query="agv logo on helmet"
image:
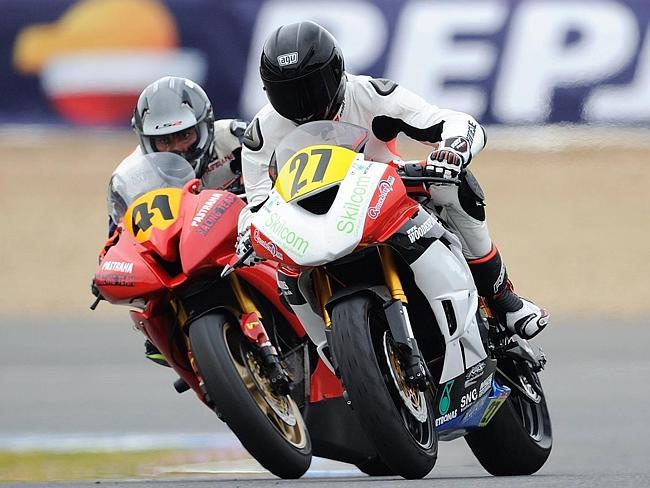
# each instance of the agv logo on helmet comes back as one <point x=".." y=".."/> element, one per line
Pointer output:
<point x="288" y="59"/>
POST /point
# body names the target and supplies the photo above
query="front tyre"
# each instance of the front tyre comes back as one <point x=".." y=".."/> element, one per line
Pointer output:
<point x="399" y="420"/>
<point x="269" y="425"/>
<point x="518" y="440"/>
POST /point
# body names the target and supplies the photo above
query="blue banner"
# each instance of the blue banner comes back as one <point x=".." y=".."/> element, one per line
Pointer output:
<point x="84" y="62"/>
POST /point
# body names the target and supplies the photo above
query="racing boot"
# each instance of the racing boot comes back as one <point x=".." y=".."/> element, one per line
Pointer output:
<point x="151" y="352"/>
<point x="522" y="317"/>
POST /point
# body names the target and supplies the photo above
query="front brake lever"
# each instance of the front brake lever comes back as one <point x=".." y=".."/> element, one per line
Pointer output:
<point x="229" y="269"/>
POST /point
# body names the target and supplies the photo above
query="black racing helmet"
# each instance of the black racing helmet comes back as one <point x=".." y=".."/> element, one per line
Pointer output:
<point x="302" y="70"/>
<point x="173" y="104"/>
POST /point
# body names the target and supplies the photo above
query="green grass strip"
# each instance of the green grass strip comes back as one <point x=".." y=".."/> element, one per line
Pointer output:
<point x="53" y="466"/>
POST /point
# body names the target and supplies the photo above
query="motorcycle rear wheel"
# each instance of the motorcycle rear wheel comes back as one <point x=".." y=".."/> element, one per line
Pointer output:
<point x="518" y="440"/>
<point x="269" y="425"/>
<point x="361" y="346"/>
<point x="375" y="467"/>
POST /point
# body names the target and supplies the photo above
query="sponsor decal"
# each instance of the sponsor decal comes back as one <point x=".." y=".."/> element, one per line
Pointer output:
<point x="347" y="223"/>
<point x="445" y="399"/>
<point x="473" y="375"/>
<point x="120" y="266"/>
<point x="270" y="247"/>
<point x="360" y="167"/>
<point x="290" y="238"/>
<point x="468" y="398"/>
<point x="471" y="131"/>
<point x="205" y="208"/>
<point x="486" y="385"/>
<point x="288" y="59"/>
<point x="115" y="280"/>
<point x="418" y="231"/>
<point x="169" y="124"/>
<point x="212" y="217"/>
<point x="217" y="163"/>
<point x="447" y="417"/>
<point x="385" y="187"/>
<point x="491" y="410"/>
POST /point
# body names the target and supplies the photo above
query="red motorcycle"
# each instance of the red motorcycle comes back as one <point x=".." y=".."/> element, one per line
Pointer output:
<point x="231" y="339"/>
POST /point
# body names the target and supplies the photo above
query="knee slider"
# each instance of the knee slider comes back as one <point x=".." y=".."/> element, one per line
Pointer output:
<point x="471" y="197"/>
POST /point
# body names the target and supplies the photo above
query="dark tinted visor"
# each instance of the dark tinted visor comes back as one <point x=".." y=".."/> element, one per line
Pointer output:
<point x="306" y="98"/>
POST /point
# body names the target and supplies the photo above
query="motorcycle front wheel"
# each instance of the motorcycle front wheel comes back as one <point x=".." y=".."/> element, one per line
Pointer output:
<point x="397" y="418"/>
<point x="269" y="425"/>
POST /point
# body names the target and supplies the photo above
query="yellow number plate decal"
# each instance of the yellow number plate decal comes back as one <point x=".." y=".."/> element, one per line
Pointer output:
<point x="313" y="168"/>
<point x="157" y="209"/>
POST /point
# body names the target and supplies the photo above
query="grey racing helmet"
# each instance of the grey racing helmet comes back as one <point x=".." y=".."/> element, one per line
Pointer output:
<point x="171" y="105"/>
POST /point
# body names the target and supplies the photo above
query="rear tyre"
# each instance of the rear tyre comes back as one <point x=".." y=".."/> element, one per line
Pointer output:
<point x="518" y="440"/>
<point x="268" y="425"/>
<point x="399" y="420"/>
<point x="375" y="467"/>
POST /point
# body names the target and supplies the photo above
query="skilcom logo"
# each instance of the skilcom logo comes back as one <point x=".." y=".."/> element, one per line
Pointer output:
<point x="289" y="238"/>
<point x="347" y="222"/>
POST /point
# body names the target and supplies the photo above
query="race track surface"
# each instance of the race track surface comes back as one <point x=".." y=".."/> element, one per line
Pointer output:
<point x="61" y="377"/>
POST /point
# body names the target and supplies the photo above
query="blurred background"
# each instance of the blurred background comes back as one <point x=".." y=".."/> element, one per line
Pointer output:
<point x="563" y="89"/>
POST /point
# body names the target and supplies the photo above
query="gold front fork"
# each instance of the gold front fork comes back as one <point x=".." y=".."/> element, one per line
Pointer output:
<point x="390" y="274"/>
<point x="322" y="282"/>
<point x="245" y="301"/>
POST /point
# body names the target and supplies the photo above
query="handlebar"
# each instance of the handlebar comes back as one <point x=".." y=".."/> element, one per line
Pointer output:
<point x="429" y="179"/>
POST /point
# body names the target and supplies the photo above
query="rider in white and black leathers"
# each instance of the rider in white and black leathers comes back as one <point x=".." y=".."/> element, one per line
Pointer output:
<point x="303" y="74"/>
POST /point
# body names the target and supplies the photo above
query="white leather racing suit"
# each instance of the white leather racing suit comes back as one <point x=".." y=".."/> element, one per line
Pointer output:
<point x="386" y="109"/>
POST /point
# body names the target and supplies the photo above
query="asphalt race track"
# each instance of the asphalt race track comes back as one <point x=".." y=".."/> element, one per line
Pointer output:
<point x="61" y="378"/>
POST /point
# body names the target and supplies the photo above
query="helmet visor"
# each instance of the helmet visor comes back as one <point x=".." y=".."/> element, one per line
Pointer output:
<point x="306" y="98"/>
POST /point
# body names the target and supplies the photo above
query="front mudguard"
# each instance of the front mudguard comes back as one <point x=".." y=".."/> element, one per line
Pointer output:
<point x="378" y="293"/>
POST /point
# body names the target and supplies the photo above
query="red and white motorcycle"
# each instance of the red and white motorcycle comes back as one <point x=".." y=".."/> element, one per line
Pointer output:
<point x="383" y="290"/>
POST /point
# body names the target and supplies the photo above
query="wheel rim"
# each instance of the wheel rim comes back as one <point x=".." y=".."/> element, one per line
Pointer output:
<point x="532" y="412"/>
<point x="281" y="410"/>
<point x="413" y="406"/>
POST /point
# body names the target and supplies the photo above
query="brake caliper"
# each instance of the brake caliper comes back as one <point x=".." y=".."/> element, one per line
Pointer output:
<point x="254" y="330"/>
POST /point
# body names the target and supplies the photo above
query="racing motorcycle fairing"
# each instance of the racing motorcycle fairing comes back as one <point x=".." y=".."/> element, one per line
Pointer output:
<point x="125" y="273"/>
<point x="153" y="219"/>
<point x="209" y="229"/>
<point x="337" y="213"/>
<point x="314" y="217"/>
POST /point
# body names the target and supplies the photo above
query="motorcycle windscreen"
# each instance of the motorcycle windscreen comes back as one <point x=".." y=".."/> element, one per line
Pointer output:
<point x="322" y="132"/>
<point x="141" y="173"/>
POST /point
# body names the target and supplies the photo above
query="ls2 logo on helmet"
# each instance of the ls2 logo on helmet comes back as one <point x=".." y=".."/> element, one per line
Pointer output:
<point x="288" y="59"/>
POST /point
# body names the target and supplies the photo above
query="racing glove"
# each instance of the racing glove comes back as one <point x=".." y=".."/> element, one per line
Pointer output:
<point x="448" y="159"/>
